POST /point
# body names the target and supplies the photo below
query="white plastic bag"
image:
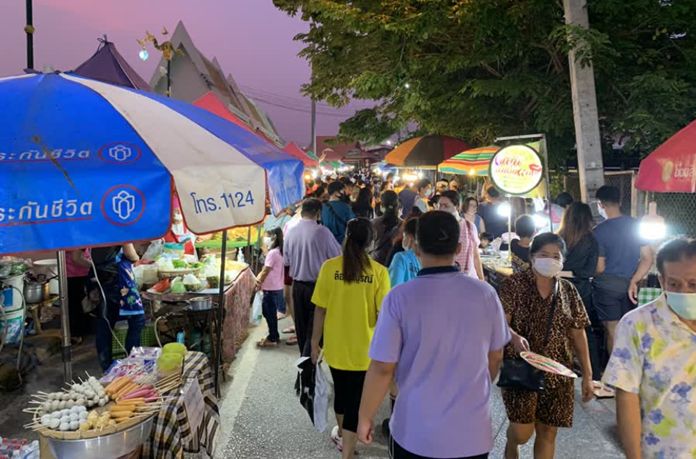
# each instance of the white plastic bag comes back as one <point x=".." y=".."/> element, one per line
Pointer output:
<point x="256" y="309"/>
<point x="154" y="250"/>
<point x="323" y="389"/>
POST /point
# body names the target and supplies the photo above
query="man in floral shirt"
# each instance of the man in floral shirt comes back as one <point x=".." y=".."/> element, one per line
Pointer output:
<point x="653" y="365"/>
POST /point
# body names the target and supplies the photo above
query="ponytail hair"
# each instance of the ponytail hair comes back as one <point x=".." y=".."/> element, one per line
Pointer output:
<point x="277" y="235"/>
<point x="355" y="259"/>
<point x="390" y="207"/>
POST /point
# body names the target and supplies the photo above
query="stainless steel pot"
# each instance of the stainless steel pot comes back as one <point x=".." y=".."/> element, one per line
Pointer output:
<point x="109" y="446"/>
<point x="200" y="303"/>
<point x="35" y="292"/>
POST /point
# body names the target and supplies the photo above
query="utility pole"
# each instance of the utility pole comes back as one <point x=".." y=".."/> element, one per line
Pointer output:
<point x="29" y="29"/>
<point x="314" y="128"/>
<point x="587" y="138"/>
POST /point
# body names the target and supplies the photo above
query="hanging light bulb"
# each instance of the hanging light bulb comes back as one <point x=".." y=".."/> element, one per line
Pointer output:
<point x="143" y="54"/>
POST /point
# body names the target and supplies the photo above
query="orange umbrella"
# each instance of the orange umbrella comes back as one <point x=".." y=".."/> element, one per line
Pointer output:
<point x="427" y="151"/>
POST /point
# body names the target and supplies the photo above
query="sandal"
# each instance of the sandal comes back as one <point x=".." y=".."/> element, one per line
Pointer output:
<point x="266" y="343"/>
<point x="289" y="331"/>
<point x="602" y="391"/>
<point x="291" y="341"/>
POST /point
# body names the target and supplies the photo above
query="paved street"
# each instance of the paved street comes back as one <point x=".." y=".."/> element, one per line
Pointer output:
<point x="262" y="418"/>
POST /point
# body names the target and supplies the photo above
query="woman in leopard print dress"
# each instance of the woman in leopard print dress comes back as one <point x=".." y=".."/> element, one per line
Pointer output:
<point x="527" y="298"/>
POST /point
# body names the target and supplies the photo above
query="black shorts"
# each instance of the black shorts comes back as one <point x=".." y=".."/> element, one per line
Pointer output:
<point x="348" y="386"/>
<point x="287" y="280"/>
<point x="610" y="298"/>
<point x="396" y="451"/>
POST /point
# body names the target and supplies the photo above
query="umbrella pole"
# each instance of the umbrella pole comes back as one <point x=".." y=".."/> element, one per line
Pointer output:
<point x="64" y="317"/>
<point x="221" y="314"/>
<point x="548" y="182"/>
<point x="510" y="230"/>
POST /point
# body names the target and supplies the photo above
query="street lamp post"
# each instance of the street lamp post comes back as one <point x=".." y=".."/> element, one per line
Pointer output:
<point x="29" y="29"/>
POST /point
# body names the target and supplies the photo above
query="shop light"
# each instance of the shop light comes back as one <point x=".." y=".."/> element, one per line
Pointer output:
<point x="504" y="209"/>
<point x="541" y="221"/>
<point x="472" y="172"/>
<point x="143" y="55"/>
<point x="652" y="227"/>
<point x="410" y="177"/>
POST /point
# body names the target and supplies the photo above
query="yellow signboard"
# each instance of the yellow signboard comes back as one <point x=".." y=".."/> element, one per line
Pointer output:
<point x="516" y="169"/>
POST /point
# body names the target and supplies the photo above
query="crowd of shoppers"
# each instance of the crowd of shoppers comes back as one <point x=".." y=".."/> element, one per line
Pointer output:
<point x="388" y="283"/>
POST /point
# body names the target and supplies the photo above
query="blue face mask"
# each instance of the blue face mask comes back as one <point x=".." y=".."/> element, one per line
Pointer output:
<point x="683" y="304"/>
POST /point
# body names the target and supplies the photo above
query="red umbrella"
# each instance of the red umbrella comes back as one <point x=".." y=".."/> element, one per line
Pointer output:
<point x="671" y="168"/>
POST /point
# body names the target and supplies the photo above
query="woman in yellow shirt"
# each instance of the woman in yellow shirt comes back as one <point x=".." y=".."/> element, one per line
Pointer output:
<point x="348" y="296"/>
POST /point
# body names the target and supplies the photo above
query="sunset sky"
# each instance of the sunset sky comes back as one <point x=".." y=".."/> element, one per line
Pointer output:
<point x="251" y="39"/>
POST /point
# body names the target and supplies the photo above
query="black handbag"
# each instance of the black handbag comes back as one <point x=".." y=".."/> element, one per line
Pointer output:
<point x="517" y="373"/>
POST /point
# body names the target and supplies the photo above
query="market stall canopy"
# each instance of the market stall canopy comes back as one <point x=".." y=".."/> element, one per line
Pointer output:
<point x="85" y="163"/>
<point x="671" y="168"/>
<point x="212" y="102"/>
<point x="109" y="66"/>
<point x="293" y="150"/>
<point x="470" y="162"/>
<point x="425" y="152"/>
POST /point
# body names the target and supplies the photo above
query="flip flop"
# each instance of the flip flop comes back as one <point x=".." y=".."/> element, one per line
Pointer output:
<point x="291" y="341"/>
<point x="289" y="331"/>
<point x="265" y="343"/>
<point x="602" y="391"/>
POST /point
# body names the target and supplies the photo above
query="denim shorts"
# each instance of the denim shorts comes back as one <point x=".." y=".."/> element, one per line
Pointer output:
<point x="610" y="297"/>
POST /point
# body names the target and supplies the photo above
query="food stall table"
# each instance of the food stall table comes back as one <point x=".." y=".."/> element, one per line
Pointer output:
<point x="238" y="296"/>
<point x="496" y="269"/>
<point x="182" y="427"/>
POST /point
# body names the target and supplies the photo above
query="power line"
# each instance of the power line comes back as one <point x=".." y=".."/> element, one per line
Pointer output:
<point x="303" y="110"/>
<point x="265" y="93"/>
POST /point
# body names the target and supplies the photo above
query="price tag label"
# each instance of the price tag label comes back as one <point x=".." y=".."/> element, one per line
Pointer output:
<point x="193" y="403"/>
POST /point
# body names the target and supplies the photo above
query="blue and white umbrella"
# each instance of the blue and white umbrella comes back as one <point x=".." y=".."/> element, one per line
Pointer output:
<point x="84" y="163"/>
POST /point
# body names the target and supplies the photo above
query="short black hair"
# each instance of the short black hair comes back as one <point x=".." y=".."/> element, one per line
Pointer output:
<point x="677" y="249"/>
<point x="411" y="226"/>
<point x="608" y="194"/>
<point x="335" y="187"/>
<point x="564" y="199"/>
<point x="544" y="239"/>
<point x="438" y="233"/>
<point x="486" y="236"/>
<point x="452" y="196"/>
<point x="525" y="226"/>
<point x="493" y="192"/>
<point x="311" y="207"/>
<point x="424" y="183"/>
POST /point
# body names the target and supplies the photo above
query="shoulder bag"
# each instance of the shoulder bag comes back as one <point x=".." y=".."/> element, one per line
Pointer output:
<point x="517" y="373"/>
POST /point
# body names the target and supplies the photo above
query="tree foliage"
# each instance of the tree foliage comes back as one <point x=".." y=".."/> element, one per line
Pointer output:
<point x="478" y="69"/>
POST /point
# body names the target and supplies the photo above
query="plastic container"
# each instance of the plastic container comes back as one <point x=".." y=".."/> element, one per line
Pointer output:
<point x="13" y="322"/>
<point x="11" y="299"/>
<point x="174" y="348"/>
<point x="169" y="364"/>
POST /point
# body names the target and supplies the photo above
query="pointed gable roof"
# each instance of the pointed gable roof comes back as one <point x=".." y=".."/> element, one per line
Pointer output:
<point x="107" y="65"/>
<point x="214" y="80"/>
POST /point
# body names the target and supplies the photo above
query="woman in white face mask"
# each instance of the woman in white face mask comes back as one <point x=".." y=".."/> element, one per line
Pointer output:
<point x="546" y="316"/>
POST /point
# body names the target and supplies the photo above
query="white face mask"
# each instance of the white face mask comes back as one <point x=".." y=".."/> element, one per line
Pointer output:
<point x="267" y="241"/>
<point x="683" y="304"/>
<point x="602" y="212"/>
<point x="548" y="267"/>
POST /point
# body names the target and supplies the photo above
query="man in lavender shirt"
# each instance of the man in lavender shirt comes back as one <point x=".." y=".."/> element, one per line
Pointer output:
<point x="442" y="334"/>
<point x="307" y="246"/>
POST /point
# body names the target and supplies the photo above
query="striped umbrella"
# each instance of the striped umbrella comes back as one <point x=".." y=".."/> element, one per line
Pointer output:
<point x="470" y="162"/>
<point x="425" y="152"/>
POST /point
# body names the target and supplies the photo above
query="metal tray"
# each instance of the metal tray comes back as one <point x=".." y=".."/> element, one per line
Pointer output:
<point x="109" y="446"/>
